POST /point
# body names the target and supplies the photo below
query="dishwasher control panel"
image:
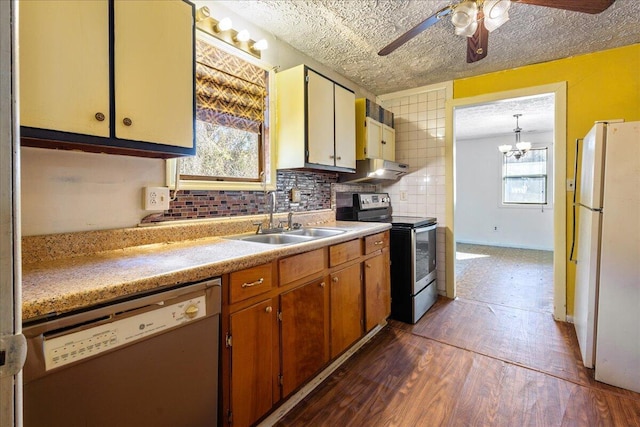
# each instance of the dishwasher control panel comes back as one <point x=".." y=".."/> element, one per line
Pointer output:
<point x="75" y="346"/>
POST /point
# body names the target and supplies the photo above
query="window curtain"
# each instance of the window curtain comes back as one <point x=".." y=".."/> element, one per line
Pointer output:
<point x="229" y="91"/>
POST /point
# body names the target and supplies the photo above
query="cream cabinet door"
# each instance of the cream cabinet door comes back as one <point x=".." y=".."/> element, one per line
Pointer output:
<point x="388" y="143"/>
<point x="153" y="71"/>
<point x="345" y="127"/>
<point x="374" y="135"/>
<point x="64" y="56"/>
<point x="320" y="119"/>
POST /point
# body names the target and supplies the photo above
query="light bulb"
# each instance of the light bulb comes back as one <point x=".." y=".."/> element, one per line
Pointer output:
<point x="494" y="9"/>
<point x="261" y="44"/>
<point x="464" y="14"/>
<point x="523" y="146"/>
<point x="467" y="31"/>
<point x="504" y="148"/>
<point x="224" y="24"/>
<point x="243" y="36"/>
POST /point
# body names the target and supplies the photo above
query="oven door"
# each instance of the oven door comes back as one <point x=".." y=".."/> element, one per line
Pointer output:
<point x="423" y="249"/>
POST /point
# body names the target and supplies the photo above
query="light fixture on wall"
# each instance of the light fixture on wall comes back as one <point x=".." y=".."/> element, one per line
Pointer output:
<point x="222" y="30"/>
<point x="521" y="147"/>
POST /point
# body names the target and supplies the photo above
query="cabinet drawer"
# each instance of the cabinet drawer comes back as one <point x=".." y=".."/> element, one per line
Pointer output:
<point x="376" y="241"/>
<point x="298" y="266"/>
<point x="343" y="252"/>
<point x="250" y="282"/>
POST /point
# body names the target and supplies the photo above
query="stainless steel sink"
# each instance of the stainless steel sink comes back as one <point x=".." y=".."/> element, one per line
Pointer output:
<point x="301" y="235"/>
<point x="274" y="239"/>
<point x="316" y="232"/>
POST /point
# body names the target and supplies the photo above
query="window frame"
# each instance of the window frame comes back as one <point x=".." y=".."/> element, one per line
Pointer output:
<point x="503" y="178"/>
<point x="268" y="158"/>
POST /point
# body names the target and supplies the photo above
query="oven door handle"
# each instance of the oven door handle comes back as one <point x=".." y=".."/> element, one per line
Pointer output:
<point x="424" y="229"/>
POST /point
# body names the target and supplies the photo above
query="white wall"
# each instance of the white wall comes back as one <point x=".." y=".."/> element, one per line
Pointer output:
<point x="478" y="193"/>
<point x="66" y="191"/>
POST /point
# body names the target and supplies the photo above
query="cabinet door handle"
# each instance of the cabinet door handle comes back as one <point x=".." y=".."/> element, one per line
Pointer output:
<point x="256" y="283"/>
<point x="322" y="284"/>
<point x="378" y="243"/>
<point x="338" y="158"/>
<point x="383" y="142"/>
<point x="99" y="117"/>
<point x="268" y="309"/>
<point x="332" y="156"/>
<point x="127" y="121"/>
<point x="368" y="265"/>
<point x="335" y="279"/>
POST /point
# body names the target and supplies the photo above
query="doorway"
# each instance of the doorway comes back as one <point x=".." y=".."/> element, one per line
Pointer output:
<point x="504" y="202"/>
<point x="556" y="185"/>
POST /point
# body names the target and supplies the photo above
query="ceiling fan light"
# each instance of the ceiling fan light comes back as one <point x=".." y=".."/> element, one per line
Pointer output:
<point x="467" y="31"/>
<point x="464" y="14"/>
<point x="492" y="24"/>
<point x="494" y="9"/>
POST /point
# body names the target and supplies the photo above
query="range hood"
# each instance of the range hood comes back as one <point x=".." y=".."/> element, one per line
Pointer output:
<point x="375" y="171"/>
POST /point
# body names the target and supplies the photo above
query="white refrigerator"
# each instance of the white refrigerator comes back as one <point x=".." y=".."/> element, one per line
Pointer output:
<point x="607" y="293"/>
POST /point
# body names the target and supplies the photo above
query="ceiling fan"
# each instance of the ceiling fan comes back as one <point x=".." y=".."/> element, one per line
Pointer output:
<point x="475" y="19"/>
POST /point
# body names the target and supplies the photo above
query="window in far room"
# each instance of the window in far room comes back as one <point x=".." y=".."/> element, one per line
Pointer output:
<point x="524" y="179"/>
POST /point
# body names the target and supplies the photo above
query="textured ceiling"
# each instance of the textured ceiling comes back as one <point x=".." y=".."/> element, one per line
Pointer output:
<point x="345" y="35"/>
<point x="496" y="118"/>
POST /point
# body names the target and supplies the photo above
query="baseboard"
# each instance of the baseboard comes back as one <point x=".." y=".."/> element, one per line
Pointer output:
<point x="569" y="319"/>
<point x="295" y="398"/>
<point x="504" y="245"/>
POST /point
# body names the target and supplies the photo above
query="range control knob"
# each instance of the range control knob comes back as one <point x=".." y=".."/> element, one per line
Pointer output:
<point x="191" y="311"/>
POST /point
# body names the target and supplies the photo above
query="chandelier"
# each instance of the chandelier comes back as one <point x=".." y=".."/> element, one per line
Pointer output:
<point x="521" y="147"/>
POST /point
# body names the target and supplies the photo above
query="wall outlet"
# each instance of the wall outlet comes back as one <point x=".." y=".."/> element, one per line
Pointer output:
<point x="155" y="198"/>
<point x="403" y="196"/>
<point x="295" y="195"/>
<point x="495" y="228"/>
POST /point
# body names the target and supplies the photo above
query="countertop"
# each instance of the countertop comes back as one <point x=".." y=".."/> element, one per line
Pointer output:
<point x="52" y="287"/>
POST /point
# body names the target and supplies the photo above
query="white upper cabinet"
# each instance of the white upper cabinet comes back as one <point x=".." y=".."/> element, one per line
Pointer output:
<point x="125" y="87"/>
<point x="374" y="140"/>
<point x="315" y="122"/>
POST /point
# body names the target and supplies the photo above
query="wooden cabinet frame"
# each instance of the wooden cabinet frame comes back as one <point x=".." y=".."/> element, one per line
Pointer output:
<point x="292" y="278"/>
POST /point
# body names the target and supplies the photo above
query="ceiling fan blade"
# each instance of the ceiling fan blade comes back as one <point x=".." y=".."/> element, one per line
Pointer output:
<point x="478" y="43"/>
<point x="584" y="6"/>
<point x="415" y="31"/>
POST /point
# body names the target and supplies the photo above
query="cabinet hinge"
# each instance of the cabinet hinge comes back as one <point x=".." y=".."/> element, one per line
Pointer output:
<point x="228" y="341"/>
<point x="229" y="417"/>
<point x="281" y="380"/>
<point x="365" y="123"/>
<point x="306" y="79"/>
<point x="280" y="316"/>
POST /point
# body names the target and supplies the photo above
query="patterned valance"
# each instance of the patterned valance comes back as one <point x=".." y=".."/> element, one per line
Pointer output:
<point x="229" y="90"/>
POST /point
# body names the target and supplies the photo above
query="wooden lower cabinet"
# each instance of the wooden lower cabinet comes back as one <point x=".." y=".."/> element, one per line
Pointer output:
<point x="377" y="289"/>
<point x="304" y="333"/>
<point x="346" y="308"/>
<point x="251" y="367"/>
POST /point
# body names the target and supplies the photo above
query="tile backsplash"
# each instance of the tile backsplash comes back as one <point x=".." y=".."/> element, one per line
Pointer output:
<point x="316" y="193"/>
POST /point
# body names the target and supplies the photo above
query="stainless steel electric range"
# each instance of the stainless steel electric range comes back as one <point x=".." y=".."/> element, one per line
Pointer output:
<point x="413" y="251"/>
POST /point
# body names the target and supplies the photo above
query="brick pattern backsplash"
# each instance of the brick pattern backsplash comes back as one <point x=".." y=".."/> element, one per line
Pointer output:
<point x="315" y="193"/>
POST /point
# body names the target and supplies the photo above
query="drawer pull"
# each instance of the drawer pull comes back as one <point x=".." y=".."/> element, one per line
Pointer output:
<point x="379" y="242"/>
<point x="256" y="283"/>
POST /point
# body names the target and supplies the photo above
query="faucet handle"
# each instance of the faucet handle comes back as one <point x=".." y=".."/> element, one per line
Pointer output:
<point x="259" y="224"/>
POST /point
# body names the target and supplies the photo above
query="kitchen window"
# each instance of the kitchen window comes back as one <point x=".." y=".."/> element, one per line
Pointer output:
<point x="524" y="180"/>
<point x="231" y="123"/>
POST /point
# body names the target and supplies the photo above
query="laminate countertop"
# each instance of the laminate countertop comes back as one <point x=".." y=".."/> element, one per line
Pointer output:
<point x="51" y="287"/>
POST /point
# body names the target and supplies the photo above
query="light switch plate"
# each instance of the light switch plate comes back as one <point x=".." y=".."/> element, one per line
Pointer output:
<point x="155" y="198"/>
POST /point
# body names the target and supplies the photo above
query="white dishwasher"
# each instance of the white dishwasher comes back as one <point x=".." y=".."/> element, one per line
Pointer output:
<point x="149" y="361"/>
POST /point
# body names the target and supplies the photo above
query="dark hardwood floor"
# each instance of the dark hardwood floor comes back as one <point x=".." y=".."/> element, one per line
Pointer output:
<point x="469" y="363"/>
